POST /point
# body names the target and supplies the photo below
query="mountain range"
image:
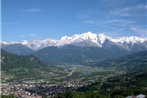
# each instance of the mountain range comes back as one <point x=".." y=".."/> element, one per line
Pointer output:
<point x="83" y="40"/>
<point x="82" y="49"/>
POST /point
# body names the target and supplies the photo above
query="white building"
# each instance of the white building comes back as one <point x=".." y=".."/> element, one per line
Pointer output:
<point x="140" y="96"/>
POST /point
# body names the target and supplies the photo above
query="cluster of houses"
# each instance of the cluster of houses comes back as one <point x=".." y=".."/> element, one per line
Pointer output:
<point x="29" y="90"/>
<point x="138" y="96"/>
<point x="18" y="90"/>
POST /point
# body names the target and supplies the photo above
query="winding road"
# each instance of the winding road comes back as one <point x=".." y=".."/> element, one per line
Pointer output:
<point x="73" y="69"/>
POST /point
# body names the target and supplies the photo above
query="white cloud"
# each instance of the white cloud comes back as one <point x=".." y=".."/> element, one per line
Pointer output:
<point x="128" y="11"/>
<point x="145" y="6"/>
<point x="89" y="22"/>
<point x="98" y="23"/>
<point x="139" y="30"/>
<point x="121" y="22"/>
<point x="141" y="7"/>
<point x="30" y="35"/>
<point x="113" y="23"/>
<point x="33" y="10"/>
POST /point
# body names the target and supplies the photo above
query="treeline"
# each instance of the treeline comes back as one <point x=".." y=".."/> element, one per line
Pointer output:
<point x="7" y="96"/>
<point x="77" y="94"/>
<point x="117" y="93"/>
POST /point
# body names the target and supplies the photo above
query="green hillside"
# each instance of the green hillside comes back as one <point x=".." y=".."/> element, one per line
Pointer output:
<point x="71" y="54"/>
<point x="135" y="73"/>
<point x="129" y="62"/>
<point x="11" y="61"/>
<point x="26" y="68"/>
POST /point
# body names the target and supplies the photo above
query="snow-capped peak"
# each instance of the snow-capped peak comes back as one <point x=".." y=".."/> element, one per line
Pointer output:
<point x="85" y="36"/>
<point x="88" y="39"/>
<point x="89" y="36"/>
<point x="131" y="39"/>
<point x="24" y="42"/>
<point x="102" y="38"/>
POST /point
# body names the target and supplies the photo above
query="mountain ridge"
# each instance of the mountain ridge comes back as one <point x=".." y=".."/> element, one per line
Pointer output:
<point x="82" y="40"/>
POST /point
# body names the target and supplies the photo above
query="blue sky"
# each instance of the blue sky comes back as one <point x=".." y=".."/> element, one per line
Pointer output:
<point x="41" y="19"/>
